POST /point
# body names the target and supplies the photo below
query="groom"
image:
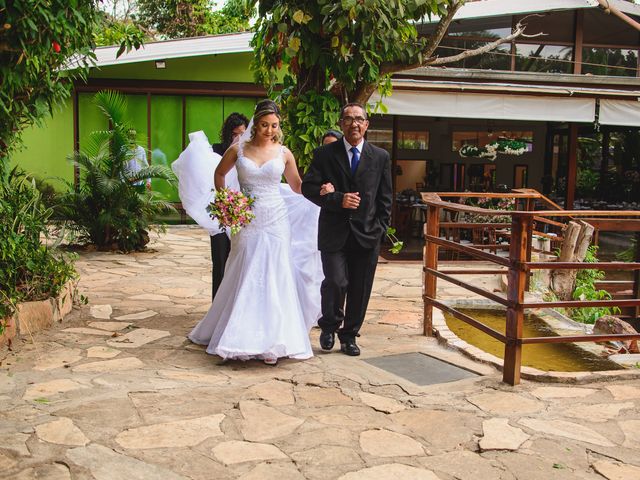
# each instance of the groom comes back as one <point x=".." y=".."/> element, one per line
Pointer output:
<point x="353" y="221"/>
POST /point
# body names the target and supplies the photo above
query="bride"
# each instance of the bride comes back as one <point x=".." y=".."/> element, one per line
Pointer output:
<point x="267" y="301"/>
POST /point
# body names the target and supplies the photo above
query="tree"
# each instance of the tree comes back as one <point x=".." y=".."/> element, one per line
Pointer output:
<point x="192" y="18"/>
<point x="37" y="39"/>
<point x="44" y="47"/>
<point x="338" y="51"/>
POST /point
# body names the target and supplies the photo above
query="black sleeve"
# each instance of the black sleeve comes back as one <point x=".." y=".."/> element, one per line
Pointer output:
<point x="313" y="180"/>
<point x="384" y="196"/>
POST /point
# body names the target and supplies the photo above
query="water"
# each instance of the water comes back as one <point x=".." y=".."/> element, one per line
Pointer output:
<point x="556" y="357"/>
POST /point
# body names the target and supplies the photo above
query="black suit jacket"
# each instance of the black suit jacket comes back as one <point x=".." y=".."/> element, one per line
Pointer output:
<point x="369" y="222"/>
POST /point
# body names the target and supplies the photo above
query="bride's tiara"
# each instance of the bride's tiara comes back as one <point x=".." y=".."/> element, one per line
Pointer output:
<point x="265" y="107"/>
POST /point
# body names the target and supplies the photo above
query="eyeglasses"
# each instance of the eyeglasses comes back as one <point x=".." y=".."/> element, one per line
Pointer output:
<point x="350" y="120"/>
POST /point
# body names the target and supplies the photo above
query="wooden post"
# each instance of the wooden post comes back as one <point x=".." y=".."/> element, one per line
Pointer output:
<point x="432" y="227"/>
<point x="520" y="227"/>
<point x="572" y="167"/>
<point x="636" y="276"/>
<point x="578" y="41"/>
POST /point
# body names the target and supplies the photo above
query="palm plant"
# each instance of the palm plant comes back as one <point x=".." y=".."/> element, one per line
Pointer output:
<point x="106" y="208"/>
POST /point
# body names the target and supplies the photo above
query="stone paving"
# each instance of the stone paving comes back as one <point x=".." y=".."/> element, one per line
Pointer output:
<point x="117" y="392"/>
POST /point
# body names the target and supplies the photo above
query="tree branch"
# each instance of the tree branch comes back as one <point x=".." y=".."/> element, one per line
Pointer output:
<point x="517" y="32"/>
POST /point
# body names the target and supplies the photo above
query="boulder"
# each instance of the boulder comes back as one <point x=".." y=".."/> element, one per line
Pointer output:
<point x="610" y="325"/>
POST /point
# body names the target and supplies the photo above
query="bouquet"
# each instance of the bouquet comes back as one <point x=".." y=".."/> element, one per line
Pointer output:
<point x="232" y="209"/>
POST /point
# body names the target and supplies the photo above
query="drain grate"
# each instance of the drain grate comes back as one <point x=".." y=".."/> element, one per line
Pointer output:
<point x="420" y="369"/>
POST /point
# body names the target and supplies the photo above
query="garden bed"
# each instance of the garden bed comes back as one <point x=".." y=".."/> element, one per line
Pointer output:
<point x="32" y="317"/>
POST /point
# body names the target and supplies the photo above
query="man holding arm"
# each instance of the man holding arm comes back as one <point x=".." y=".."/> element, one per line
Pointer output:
<point x="353" y="221"/>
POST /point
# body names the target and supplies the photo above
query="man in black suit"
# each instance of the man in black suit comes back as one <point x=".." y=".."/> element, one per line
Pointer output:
<point x="353" y="222"/>
<point x="234" y="126"/>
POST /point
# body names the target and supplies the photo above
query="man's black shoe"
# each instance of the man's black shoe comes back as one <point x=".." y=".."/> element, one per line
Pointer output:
<point x="327" y="340"/>
<point x="350" y="348"/>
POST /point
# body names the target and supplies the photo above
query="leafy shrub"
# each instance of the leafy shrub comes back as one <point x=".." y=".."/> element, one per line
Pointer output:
<point x="107" y="209"/>
<point x="29" y="268"/>
<point x="585" y="290"/>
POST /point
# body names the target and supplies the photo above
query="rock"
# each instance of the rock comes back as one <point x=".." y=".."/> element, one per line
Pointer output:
<point x="274" y="392"/>
<point x="465" y="465"/>
<point x="87" y="331"/>
<point x="15" y="442"/>
<point x="631" y="429"/>
<point x="265" y="423"/>
<point x="624" y="392"/>
<point x="627" y="359"/>
<point x="105" y="464"/>
<point x="6" y="463"/>
<point x="35" y="316"/>
<point x="101" y="311"/>
<point x="273" y="470"/>
<point x="616" y="471"/>
<point x="499" y="435"/>
<point x="319" y="455"/>
<point x="546" y="393"/>
<point x="384" y="443"/>
<point x="61" y="432"/>
<point x="610" y="325"/>
<point x="599" y="412"/>
<point x="137" y="338"/>
<point x="194" y="377"/>
<point x="60" y="357"/>
<point x="391" y="471"/>
<point x="566" y="429"/>
<point x="52" y="471"/>
<point x="52" y="387"/>
<point x="321" y="397"/>
<point x="128" y="363"/>
<point x="137" y="316"/>
<point x="230" y="453"/>
<point x="181" y="433"/>
<point x="102" y="352"/>
<point x="154" y="297"/>
<point x="506" y="403"/>
<point x="110" y="326"/>
<point x="380" y="403"/>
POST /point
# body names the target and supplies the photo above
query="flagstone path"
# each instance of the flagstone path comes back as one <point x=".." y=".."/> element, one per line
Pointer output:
<point x="117" y="392"/>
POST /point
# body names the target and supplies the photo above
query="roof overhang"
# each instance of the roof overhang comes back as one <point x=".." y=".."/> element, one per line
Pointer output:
<point x="181" y="48"/>
<point x="499" y="8"/>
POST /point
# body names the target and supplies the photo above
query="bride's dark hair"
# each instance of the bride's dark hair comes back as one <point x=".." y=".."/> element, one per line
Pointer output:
<point x="263" y="108"/>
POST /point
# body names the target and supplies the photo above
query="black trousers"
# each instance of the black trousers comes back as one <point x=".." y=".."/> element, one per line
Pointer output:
<point x="348" y="273"/>
<point x="220" y="247"/>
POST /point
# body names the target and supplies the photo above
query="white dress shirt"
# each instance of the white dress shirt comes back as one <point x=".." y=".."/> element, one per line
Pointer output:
<point x="348" y="147"/>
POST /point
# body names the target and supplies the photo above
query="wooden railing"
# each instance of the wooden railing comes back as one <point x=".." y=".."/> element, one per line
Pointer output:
<point x="518" y="267"/>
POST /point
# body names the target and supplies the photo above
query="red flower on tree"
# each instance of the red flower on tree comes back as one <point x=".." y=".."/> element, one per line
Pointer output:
<point x="56" y="46"/>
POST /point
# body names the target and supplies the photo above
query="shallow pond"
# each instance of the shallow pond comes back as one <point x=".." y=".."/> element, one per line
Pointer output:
<point x="557" y="357"/>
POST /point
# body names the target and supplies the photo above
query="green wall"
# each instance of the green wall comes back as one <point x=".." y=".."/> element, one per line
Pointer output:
<point x="46" y="147"/>
<point x="232" y="67"/>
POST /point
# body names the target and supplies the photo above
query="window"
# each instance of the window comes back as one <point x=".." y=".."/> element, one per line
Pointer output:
<point x="610" y="61"/>
<point x="544" y="58"/>
<point x="482" y="138"/>
<point x="414" y="140"/>
<point x="381" y="137"/>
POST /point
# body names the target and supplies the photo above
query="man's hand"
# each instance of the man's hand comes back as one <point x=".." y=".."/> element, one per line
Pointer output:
<point x="351" y="200"/>
<point x="327" y="188"/>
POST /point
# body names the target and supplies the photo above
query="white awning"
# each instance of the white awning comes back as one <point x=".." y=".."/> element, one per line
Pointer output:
<point x="620" y="112"/>
<point x="493" y="106"/>
<point x="494" y="8"/>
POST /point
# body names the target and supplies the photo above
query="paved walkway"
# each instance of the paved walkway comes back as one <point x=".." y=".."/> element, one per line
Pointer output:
<point x="118" y="393"/>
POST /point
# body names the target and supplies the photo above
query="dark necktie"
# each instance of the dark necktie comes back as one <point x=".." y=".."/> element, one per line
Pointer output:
<point x="355" y="160"/>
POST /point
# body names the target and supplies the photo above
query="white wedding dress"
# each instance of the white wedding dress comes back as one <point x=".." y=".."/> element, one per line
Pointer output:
<point x="270" y="294"/>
